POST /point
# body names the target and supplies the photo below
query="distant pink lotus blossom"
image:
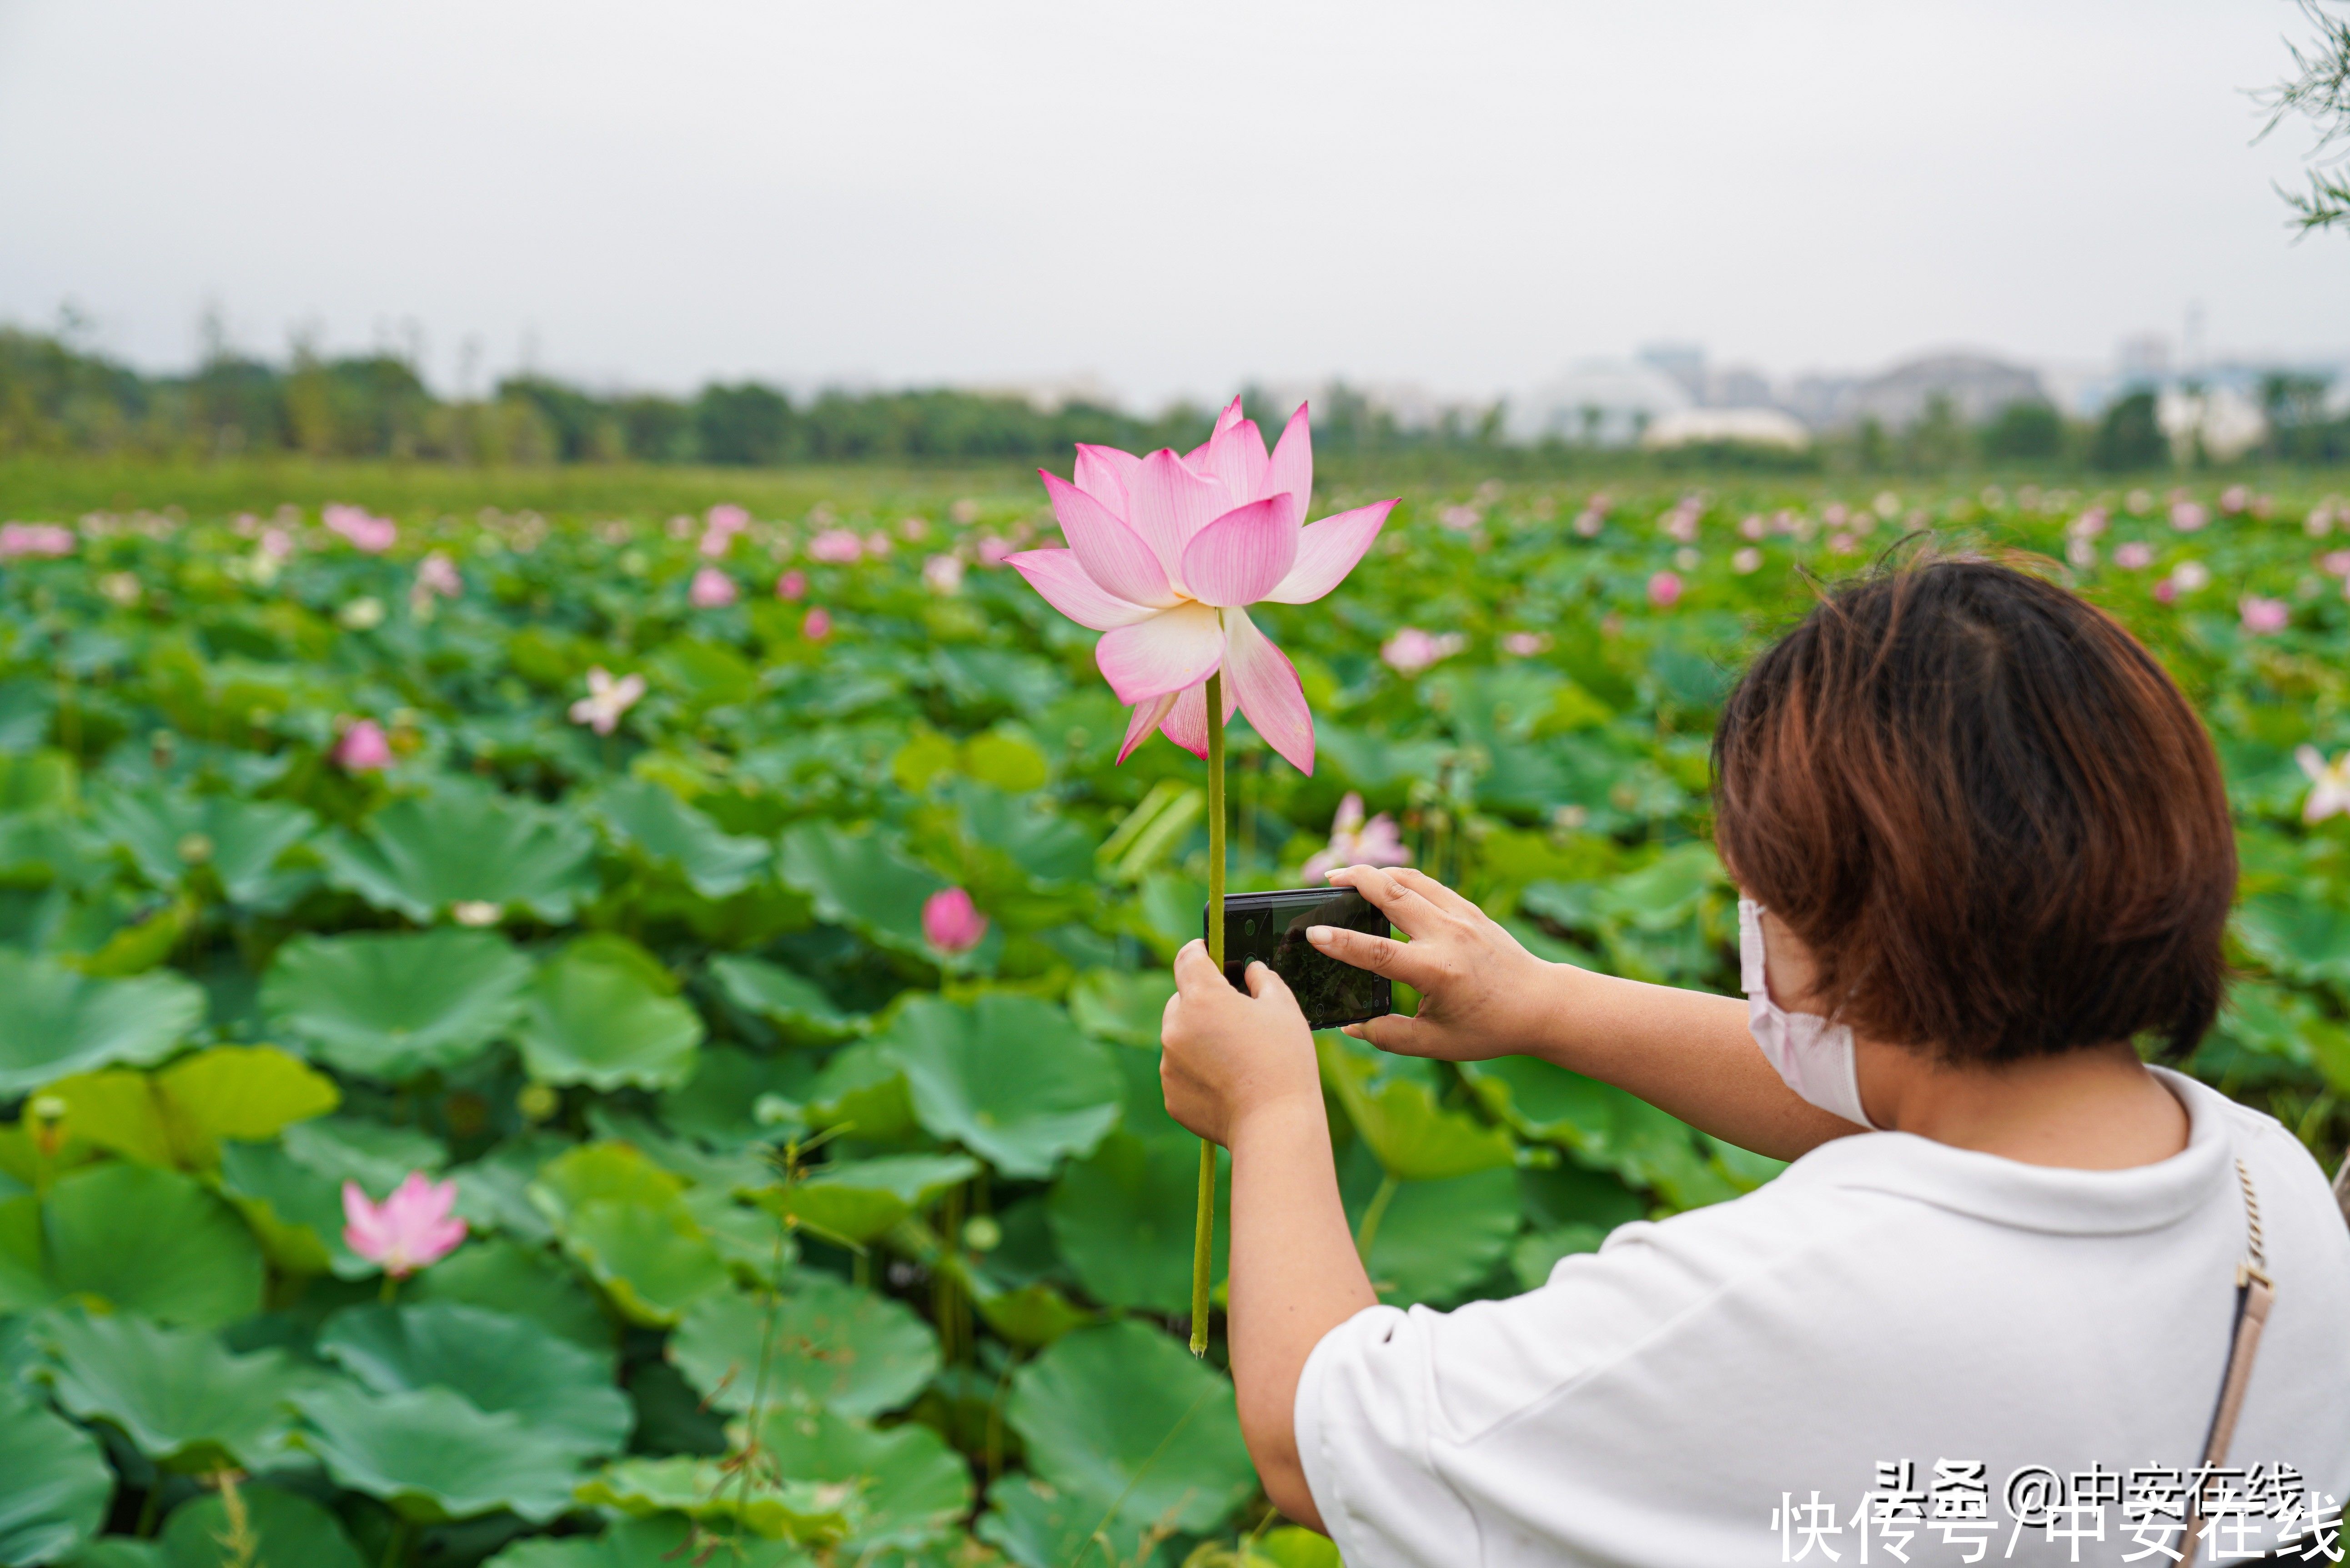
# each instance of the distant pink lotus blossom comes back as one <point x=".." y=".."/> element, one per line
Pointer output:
<point x="1751" y="526"/>
<point x="2235" y="499"/>
<point x="2190" y="576"/>
<point x="1412" y="650"/>
<point x="943" y="574"/>
<point x="2320" y="520"/>
<point x="911" y="528"/>
<point x="2166" y="591"/>
<point x="816" y="625"/>
<point x="1460" y="519"/>
<point x="1166" y="553"/>
<point x="719" y="526"/>
<point x="712" y="589"/>
<point x="792" y="584"/>
<point x="2334" y="563"/>
<point x="410" y="1229"/>
<point x="1525" y="644"/>
<point x="2263" y="617"/>
<point x="2087" y="526"/>
<point x="2329" y="793"/>
<point x="20" y="539"/>
<point x="1665" y="589"/>
<point x="363" y="748"/>
<point x="1355" y="841"/>
<point x="2187" y="516"/>
<point x="607" y="700"/>
<point x="437" y="573"/>
<point x="2136" y="556"/>
<point x="952" y="922"/>
<point x="876" y="544"/>
<point x="371" y="534"/>
<point x="1680" y="523"/>
<point x="836" y="547"/>
<point x="993" y="551"/>
<point x="1746" y="561"/>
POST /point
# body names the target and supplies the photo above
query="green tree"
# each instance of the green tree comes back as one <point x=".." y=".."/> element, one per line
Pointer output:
<point x="2025" y="432"/>
<point x="747" y="423"/>
<point x="2130" y="437"/>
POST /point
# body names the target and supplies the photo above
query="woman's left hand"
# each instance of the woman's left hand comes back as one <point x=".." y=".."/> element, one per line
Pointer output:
<point x="1225" y="1058"/>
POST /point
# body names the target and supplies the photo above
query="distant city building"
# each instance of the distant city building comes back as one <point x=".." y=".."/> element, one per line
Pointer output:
<point x="1684" y="362"/>
<point x="1738" y="427"/>
<point x="2222" y="419"/>
<point x="1974" y="386"/>
<point x="1597" y="402"/>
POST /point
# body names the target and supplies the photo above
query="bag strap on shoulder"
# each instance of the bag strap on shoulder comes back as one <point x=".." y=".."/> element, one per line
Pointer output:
<point x="2255" y="1294"/>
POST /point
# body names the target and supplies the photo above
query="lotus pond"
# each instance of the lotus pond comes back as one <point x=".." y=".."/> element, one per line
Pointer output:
<point x="735" y="917"/>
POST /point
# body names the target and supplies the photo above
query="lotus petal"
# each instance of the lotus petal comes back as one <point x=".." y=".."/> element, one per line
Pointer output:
<point x="1261" y="676"/>
<point x="1112" y="553"/>
<point x="1057" y="576"/>
<point x="1245" y="554"/>
<point x="1186" y="723"/>
<point x="1327" y="551"/>
<point x="1107" y="474"/>
<point x="1235" y="459"/>
<point x="1172" y="649"/>
<point x="1291" y="468"/>
<point x="1146" y="717"/>
<point x="1166" y="504"/>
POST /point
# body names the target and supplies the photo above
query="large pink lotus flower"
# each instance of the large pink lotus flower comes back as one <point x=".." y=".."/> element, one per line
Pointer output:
<point x="363" y="748"/>
<point x="952" y="922"/>
<point x="1355" y="841"/>
<point x="409" y="1230"/>
<point x="1165" y="555"/>
<point x="370" y="533"/>
<point x="18" y="539"/>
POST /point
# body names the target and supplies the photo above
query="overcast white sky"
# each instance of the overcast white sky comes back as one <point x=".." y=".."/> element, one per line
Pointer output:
<point x="1465" y="193"/>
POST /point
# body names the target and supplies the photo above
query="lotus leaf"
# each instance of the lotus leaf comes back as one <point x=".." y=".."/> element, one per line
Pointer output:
<point x="857" y="1200"/>
<point x="830" y="1344"/>
<point x="1535" y="1254"/>
<point x="862" y="1089"/>
<point x="653" y="822"/>
<point x="180" y="1395"/>
<point x="1041" y="1526"/>
<point x="1414" y="1139"/>
<point x="391" y="1004"/>
<point x="779" y="1507"/>
<point x="911" y="1488"/>
<point x="1122" y="1412"/>
<point x="2300" y="938"/>
<point x="420" y="857"/>
<point x="1112" y="1004"/>
<point x="793" y="1003"/>
<point x="286" y="1529"/>
<point x="24" y="1281"/>
<point x="654" y="1261"/>
<point x="493" y="1191"/>
<point x="1122" y="1216"/>
<point x="862" y="881"/>
<point x="499" y="1362"/>
<point x="720" y="1105"/>
<point x="657" y="1541"/>
<point x="376" y="1154"/>
<point x="53" y="1022"/>
<point x="1007" y="1076"/>
<point x="1435" y="1240"/>
<point x="172" y="836"/>
<point x="59" y="1484"/>
<point x="522" y="1281"/>
<point x="432" y="1456"/>
<point x="150" y="1241"/>
<point x="1602" y="1124"/>
<point x="602" y="1013"/>
<point x="177" y="1116"/>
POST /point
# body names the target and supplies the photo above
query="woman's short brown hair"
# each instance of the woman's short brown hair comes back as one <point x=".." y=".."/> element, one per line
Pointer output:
<point x="1987" y="810"/>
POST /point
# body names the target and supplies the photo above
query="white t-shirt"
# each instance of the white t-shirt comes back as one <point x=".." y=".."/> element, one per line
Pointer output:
<point x="1887" y="1299"/>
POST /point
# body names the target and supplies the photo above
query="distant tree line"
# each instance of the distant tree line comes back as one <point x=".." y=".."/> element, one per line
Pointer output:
<point x="56" y="398"/>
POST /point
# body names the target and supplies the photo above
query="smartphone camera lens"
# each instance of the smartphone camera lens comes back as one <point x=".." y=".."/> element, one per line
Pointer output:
<point x="1248" y="927"/>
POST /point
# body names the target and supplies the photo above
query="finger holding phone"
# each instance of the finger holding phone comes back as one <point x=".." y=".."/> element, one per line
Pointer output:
<point x="1479" y="990"/>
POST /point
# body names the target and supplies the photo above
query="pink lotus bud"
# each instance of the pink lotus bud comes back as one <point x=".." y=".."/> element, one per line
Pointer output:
<point x="409" y="1230"/>
<point x="370" y="533"/>
<point x="837" y="547"/>
<point x="2166" y="591"/>
<point x="1665" y="590"/>
<point x="33" y="539"/>
<point x="792" y="584"/>
<point x="950" y="922"/>
<point x="363" y="748"/>
<point x="816" y="625"/>
<point x="2263" y="617"/>
<point x="712" y="589"/>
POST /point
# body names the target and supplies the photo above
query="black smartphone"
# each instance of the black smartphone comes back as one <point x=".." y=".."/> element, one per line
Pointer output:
<point x="1270" y="929"/>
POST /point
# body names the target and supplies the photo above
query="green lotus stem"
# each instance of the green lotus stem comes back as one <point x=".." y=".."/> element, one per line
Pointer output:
<point x="1372" y="1216"/>
<point x="1203" y="1225"/>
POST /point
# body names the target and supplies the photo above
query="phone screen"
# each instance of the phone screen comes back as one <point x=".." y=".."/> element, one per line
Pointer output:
<point x="1270" y="929"/>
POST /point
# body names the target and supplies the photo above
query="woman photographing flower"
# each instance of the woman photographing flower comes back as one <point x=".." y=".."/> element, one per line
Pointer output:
<point x="1983" y="846"/>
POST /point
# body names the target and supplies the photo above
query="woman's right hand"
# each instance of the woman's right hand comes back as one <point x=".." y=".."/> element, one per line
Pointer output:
<point x="1482" y="994"/>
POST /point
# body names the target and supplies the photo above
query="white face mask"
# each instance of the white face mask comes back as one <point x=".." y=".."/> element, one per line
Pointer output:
<point x="1815" y="1061"/>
